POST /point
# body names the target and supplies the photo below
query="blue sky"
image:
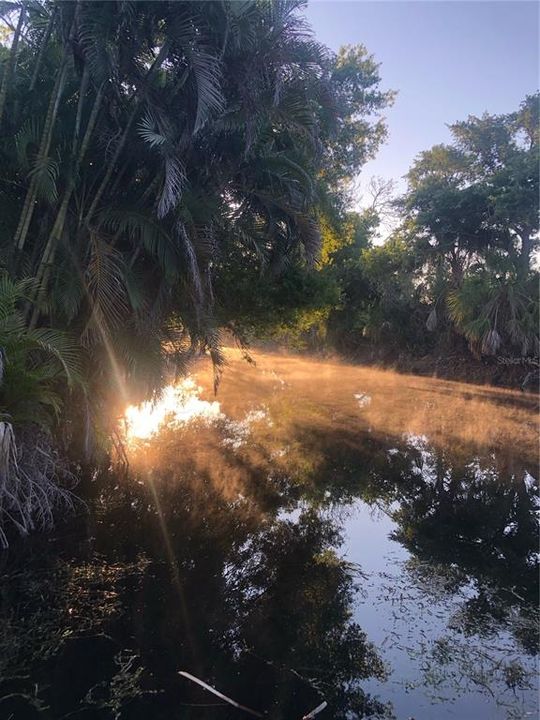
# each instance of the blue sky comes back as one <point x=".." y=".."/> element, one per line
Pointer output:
<point x="447" y="59"/>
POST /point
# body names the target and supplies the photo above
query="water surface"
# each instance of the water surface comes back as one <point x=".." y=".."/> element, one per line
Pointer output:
<point x="317" y="532"/>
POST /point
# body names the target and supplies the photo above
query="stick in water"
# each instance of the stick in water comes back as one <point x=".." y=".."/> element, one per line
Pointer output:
<point x="317" y="710"/>
<point x="220" y="695"/>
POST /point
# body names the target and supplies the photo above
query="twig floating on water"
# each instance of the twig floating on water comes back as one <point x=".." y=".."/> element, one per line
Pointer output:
<point x="316" y="711"/>
<point x="223" y="697"/>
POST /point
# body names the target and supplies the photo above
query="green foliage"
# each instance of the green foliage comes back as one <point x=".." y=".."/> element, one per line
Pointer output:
<point x="496" y="312"/>
<point x="381" y="302"/>
<point x="359" y="100"/>
<point x="160" y="158"/>
<point x="36" y="363"/>
<point x="473" y="218"/>
<point x="291" y="308"/>
<point x="480" y="193"/>
<point x="461" y="261"/>
<point x="36" y="366"/>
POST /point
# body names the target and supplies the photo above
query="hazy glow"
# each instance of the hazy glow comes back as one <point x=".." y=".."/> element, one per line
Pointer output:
<point x="177" y="405"/>
<point x="367" y="404"/>
<point x="268" y="410"/>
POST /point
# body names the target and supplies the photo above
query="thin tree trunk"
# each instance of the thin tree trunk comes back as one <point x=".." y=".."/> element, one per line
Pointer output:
<point x="110" y="169"/>
<point x="119" y="176"/>
<point x="46" y="138"/>
<point x="78" y="119"/>
<point x="43" y="271"/>
<point x="42" y="48"/>
<point x="45" y="145"/>
<point x="524" y="260"/>
<point x="10" y="66"/>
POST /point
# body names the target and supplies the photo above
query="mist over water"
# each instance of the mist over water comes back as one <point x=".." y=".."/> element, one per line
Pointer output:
<point x="316" y="532"/>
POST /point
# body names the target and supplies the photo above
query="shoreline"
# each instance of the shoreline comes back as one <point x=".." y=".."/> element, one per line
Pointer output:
<point x="501" y="371"/>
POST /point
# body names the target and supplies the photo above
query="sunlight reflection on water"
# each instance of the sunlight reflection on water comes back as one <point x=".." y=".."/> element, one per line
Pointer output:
<point x="180" y="405"/>
<point x="430" y="485"/>
<point x="177" y="404"/>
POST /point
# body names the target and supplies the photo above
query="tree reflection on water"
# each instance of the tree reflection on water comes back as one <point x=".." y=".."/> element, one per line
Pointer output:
<point x="219" y="554"/>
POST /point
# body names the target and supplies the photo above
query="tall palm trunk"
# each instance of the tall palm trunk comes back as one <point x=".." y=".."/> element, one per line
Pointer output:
<point x="10" y="65"/>
<point x="45" y="145"/>
<point x="47" y="134"/>
<point x="42" y="48"/>
<point x="76" y="158"/>
<point x="524" y="260"/>
<point x="44" y="268"/>
<point x="79" y="154"/>
<point x="110" y="169"/>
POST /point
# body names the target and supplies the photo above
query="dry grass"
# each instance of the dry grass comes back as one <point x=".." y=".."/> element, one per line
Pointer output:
<point x="33" y="483"/>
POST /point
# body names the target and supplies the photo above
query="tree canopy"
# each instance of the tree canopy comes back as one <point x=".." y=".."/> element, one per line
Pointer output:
<point x="173" y="169"/>
<point x="148" y="146"/>
<point x="461" y="262"/>
<point x="165" y="167"/>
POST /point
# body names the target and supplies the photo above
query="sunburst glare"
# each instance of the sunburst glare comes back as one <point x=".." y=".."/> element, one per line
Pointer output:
<point x="177" y="404"/>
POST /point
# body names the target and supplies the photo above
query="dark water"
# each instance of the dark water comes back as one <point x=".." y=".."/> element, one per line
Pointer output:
<point x="325" y="533"/>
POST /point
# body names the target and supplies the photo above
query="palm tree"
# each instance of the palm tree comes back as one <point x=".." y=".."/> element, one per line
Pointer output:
<point x="157" y="138"/>
<point x="144" y="145"/>
<point x="34" y="367"/>
<point x="497" y="311"/>
<point x="167" y="134"/>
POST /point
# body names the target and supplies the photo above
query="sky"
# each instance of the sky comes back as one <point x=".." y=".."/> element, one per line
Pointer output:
<point x="447" y="59"/>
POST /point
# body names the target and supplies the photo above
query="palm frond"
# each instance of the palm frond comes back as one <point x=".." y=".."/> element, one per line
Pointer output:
<point x="45" y="174"/>
<point x="143" y="231"/>
<point x="27" y="142"/>
<point x="60" y="346"/>
<point x="105" y="287"/>
<point x="207" y="73"/>
<point x="149" y="132"/>
<point x="173" y="186"/>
